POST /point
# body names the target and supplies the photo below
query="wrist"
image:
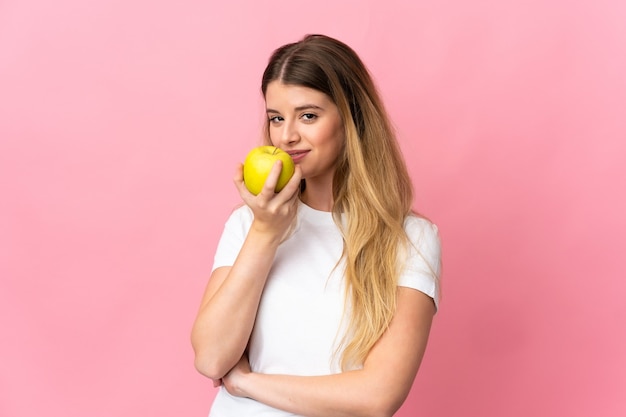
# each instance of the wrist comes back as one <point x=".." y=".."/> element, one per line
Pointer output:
<point x="265" y="234"/>
<point x="245" y="384"/>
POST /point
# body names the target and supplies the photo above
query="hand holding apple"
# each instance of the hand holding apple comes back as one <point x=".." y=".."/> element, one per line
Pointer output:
<point x="258" y="164"/>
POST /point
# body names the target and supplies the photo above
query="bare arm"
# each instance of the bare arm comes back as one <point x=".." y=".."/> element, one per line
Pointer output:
<point x="228" y="309"/>
<point x="378" y="389"/>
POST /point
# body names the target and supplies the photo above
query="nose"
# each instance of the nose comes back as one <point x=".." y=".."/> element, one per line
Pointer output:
<point x="289" y="134"/>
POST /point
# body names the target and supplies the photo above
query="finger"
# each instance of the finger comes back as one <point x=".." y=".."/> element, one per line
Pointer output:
<point x="245" y="194"/>
<point x="217" y="383"/>
<point x="272" y="179"/>
<point x="238" y="178"/>
<point x="292" y="188"/>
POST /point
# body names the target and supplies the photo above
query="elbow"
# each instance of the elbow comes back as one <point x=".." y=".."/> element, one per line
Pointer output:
<point x="206" y="360"/>
<point x="209" y="368"/>
<point x="210" y="363"/>
<point x="381" y="411"/>
<point x="383" y="405"/>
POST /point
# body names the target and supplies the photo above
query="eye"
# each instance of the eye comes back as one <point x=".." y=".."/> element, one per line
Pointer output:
<point x="309" y="117"/>
<point x="275" y="119"/>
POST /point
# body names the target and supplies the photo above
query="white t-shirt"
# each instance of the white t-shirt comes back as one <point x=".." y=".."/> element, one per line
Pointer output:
<point x="300" y="317"/>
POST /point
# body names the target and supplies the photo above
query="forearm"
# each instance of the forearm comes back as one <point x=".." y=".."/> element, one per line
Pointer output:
<point x="378" y="389"/>
<point x="348" y="394"/>
<point x="225" y="320"/>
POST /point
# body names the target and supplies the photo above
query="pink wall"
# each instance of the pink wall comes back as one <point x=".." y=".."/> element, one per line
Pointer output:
<point x="121" y="122"/>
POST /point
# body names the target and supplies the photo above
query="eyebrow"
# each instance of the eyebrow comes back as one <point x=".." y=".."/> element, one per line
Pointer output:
<point x="299" y="108"/>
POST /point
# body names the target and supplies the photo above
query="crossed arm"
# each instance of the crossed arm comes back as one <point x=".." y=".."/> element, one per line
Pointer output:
<point x="378" y="389"/>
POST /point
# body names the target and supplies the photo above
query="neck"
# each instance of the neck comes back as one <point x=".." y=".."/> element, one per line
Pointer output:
<point x="318" y="196"/>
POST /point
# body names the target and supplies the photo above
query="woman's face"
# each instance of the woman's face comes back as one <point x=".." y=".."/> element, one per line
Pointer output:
<point x="305" y="123"/>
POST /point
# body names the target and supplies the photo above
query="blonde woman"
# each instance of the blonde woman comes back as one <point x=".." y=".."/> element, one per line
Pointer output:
<point x="322" y="296"/>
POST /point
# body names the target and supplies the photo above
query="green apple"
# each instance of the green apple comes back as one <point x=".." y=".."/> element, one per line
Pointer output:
<point x="258" y="164"/>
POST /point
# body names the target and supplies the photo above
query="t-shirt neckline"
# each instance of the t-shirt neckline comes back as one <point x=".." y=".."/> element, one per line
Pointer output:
<point x="316" y="216"/>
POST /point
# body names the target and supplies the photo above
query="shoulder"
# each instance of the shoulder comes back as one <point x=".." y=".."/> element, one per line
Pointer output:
<point x="421" y="231"/>
<point x="238" y="223"/>
<point x="241" y="211"/>
<point x="232" y="238"/>
<point x="241" y="215"/>
<point x="422" y="262"/>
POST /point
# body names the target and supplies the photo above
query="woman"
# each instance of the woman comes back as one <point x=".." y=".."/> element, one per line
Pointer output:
<point x="322" y="295"/>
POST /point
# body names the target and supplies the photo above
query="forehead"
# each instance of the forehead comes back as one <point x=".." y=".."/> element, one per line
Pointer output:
<point x="283" y="95"/>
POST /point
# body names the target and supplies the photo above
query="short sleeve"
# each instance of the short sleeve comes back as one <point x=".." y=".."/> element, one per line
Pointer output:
<point x="423" y="261"/>
<point x="234" y="233"/>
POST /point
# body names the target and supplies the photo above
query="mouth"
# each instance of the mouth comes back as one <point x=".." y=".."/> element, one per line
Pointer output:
<point x="297" y="155"/>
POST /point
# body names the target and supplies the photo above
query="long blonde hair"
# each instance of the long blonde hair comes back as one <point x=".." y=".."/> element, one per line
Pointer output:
<point x="371" y="187"/>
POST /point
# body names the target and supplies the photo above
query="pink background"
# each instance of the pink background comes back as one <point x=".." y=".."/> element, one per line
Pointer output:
<point x="120" y="126"/>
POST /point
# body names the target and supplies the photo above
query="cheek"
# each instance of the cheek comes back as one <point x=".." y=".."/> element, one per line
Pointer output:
<point x="336" y="136"/>
<point x="340" y="143"/>
<point x="330" y="134"/>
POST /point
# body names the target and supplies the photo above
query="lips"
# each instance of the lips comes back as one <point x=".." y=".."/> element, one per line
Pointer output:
<point x="297" y="155"/>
